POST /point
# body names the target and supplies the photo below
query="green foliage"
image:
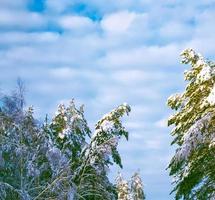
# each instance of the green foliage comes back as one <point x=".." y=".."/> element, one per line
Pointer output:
<point x="96" y="156"/>
<point x="53" y="160"/>
<point x="194" y="131"/>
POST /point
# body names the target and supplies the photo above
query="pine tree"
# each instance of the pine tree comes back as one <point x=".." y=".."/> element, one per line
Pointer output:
<point x="30" y="166"/>
<point x="194" y="120"/>
<point x="53" y="160"/>
<point x="96" y="157"/>
<point x="137" y="187"/>
<point x="130" y="190"/>
<point x="123" y="189"/>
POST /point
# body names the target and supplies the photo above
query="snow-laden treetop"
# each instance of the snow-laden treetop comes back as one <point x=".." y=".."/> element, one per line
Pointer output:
<point x="194" y="122"/>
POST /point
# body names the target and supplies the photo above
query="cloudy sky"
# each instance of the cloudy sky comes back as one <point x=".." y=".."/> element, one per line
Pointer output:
<point x="104" y="53"/>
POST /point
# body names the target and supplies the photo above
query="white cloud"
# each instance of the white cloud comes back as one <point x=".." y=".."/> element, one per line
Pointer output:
<point x="22" y="38"/>
<point x="63" y="72"/>
<point x="76" y="22"/>
<point x="153" y="144"/>
<point x="137" y="76"/>
<point x="176" y="30"/>
<point x="142" y="57"/>
<point x="118" y="22"/>
<point x="162" y="123"/>
<point x="132" y="125"/>
<point x="131" y="55"/>
<point x="20" y="19"/>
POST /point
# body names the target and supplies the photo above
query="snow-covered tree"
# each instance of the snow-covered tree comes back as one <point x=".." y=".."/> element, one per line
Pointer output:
<point x="31" y="167"/>
<point x="137" y="187"/>
<point x="53" y="160"/>
<point x="194" y="131"/>
<point x="130" y="190"/>
<point x="123" y="189"/>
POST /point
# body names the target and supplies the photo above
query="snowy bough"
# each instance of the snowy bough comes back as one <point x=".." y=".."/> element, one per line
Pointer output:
<point x="53" y="160"/>
<point x="193" y="165"/>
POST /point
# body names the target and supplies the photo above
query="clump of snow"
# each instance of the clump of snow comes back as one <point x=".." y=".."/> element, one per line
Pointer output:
<point x="65" y="132"/>
<point x="187" y="55"/>
<point x="174" y="97"/>
<point x="211" y="97"/>
<point x="56" y="159"/>
<point x="205" y="73"/>
<point x="106" y="147"/>
<point x="61" y="135"/>
<point x="32" y="170"/>
<point x="107" y="125"/>
<point x="198" y="62"/>
<point x="193" y="137"/>
<point x="212" y="143"/>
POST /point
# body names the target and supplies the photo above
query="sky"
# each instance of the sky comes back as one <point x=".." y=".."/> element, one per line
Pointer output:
<point x="103" y="53"/>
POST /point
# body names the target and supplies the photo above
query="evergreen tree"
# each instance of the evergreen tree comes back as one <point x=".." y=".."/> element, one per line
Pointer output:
<point x="53" y="160"/>
<point x="194" y="131"/>
<point x="130" y="190"/>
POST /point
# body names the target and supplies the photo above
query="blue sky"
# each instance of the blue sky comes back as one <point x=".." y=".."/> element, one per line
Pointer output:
<point x="104" y="53"/>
